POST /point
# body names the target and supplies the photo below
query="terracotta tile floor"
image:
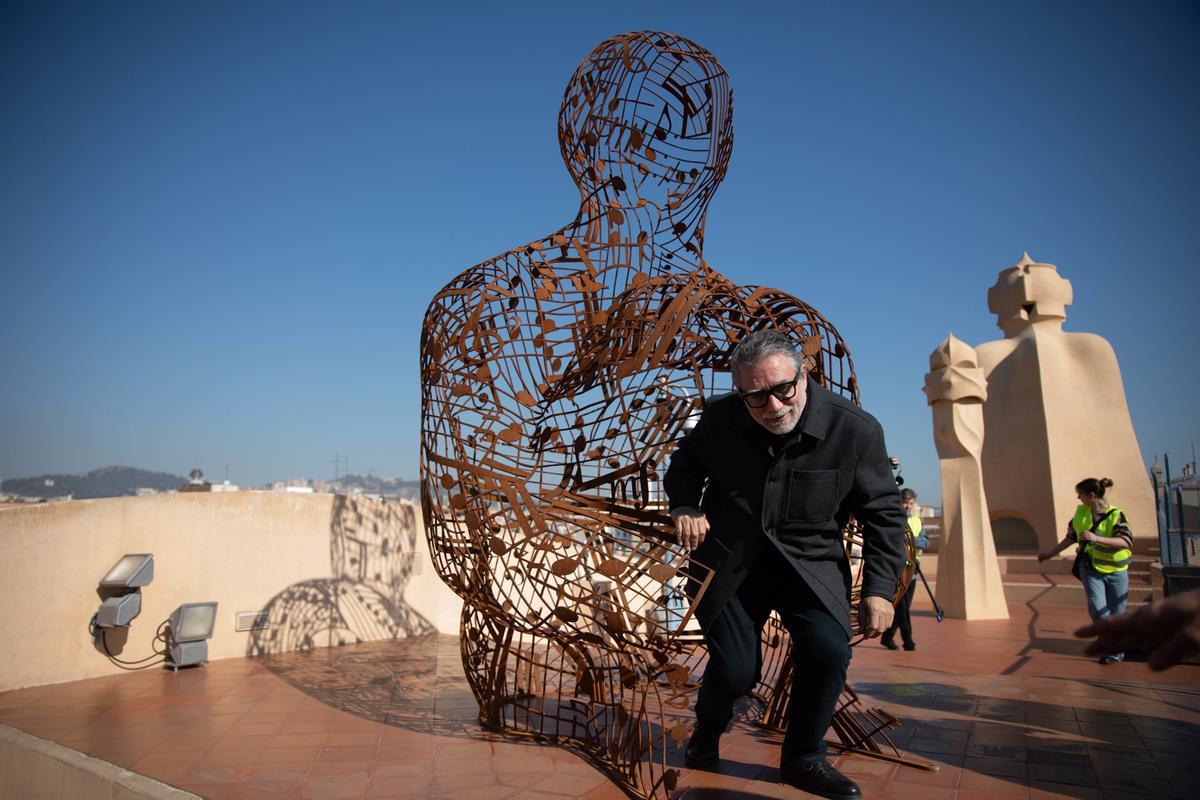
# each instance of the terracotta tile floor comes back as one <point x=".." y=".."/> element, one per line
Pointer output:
<point x="1005" y="709"/>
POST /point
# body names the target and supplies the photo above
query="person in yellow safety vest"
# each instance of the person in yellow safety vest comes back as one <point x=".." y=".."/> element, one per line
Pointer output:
<point x="1105" y="542"/>
<point x="903" y="620"/>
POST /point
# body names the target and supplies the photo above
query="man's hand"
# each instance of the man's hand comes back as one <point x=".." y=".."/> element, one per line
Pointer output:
<point x="1088" y="536"/>
<point x="1167" y="631"/>
<point x="875" y="615"/>
<point x="691" y="526"/>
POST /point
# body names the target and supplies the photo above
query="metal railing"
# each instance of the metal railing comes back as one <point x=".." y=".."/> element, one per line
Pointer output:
<point x="1177" y="505"/>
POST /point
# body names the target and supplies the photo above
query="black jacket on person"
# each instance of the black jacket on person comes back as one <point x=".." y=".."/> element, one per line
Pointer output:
<point x="790" y="496"/>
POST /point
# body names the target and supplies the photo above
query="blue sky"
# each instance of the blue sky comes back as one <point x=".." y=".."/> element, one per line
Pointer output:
<point x="220" y="223"/>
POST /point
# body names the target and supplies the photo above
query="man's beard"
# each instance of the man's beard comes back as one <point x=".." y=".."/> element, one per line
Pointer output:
<point x="782" y="426"/>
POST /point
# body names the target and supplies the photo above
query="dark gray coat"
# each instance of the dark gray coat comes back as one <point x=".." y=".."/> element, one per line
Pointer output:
<point x="793" y="501"/>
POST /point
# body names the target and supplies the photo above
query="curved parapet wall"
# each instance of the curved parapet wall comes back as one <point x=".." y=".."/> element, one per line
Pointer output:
<point x="248" y="551"/>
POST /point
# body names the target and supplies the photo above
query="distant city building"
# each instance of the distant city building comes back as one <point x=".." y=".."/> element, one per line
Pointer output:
<point x="292" y="485"/>
<point x="196" y="482"/>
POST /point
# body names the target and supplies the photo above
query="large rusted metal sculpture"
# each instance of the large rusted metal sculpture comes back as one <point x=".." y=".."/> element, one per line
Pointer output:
<point x="556" y="379"/>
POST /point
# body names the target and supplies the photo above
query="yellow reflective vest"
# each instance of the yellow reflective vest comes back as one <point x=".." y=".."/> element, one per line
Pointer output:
<point x="914" y="525"/>
<point x="1104" y="559"/>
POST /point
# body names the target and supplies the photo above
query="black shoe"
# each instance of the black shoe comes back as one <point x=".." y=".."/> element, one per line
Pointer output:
<point x="910" y="646"/>
<point x="822" y="780"/>
<point x="889" y="644"/>
<point x="703" y="751"/>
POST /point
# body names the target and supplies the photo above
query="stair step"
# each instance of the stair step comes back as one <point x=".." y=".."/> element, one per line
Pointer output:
<point x="1025" y="565"/>
<point x="1039" y="592"/>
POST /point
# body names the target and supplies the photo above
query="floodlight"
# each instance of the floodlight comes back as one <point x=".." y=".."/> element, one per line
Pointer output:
<point x="131" y="572"/>
<point x="119" y="611"/>
<point x="191" y="625"/>
<point x="121" y="588"/>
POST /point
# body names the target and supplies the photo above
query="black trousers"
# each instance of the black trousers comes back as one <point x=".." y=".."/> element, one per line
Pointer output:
<point x="903" y="620"/>
<point x="820" y="657"/>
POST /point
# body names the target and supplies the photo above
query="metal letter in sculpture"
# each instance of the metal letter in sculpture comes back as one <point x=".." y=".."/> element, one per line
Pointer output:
<point x="556" y="379"/>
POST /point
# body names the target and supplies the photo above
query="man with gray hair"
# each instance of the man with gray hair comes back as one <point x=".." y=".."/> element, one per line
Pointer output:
<point x="760" y="490"/>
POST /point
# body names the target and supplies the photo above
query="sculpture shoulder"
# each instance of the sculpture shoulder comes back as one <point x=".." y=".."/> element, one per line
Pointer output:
<point x="992" y="353"/>
<point x="499" y="272"/>
<point x="484" y="295"/>
<point x="1084" y="349"/>
<point x="1090" y="344"/>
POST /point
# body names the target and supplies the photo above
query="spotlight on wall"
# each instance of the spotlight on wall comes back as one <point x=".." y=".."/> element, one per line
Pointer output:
<point x="191" y="626"/>
<point x="123" y="583"/>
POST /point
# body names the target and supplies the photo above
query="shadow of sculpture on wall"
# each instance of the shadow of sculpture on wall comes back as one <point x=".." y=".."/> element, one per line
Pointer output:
<point x="372" y="553"/>
<point x="556" y="379"/>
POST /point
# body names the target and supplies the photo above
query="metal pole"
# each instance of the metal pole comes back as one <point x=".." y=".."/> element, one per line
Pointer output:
<point x="932" y="599"/>
<point x="1182" y="534"/>
<point x="1168" y="554"/>
<point x="1164" y="555"/>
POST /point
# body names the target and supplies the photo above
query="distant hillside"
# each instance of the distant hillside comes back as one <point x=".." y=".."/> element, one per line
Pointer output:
<point x="103" y="482"/>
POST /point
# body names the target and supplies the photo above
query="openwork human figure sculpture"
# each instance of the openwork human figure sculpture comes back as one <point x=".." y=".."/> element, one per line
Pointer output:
<point x="556" y="378"/>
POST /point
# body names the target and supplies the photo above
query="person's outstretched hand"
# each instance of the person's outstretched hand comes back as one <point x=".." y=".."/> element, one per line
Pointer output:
<point x="1167" y="631"/>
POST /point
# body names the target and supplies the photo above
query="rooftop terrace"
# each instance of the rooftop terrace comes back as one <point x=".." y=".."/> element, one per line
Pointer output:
<point x="1005" y="709"/>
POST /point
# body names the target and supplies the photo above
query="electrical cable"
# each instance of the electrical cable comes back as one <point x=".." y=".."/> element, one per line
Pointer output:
<point x="131" y="665"/>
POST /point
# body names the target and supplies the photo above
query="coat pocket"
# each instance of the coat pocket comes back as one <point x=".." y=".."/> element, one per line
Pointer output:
<point x="812" y="495"/>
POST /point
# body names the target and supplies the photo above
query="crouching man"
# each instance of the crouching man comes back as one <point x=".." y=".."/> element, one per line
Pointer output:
<point x="760" y="490"/>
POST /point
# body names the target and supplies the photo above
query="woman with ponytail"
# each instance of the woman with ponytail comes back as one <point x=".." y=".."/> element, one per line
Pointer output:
<point x="1105" y="550"/>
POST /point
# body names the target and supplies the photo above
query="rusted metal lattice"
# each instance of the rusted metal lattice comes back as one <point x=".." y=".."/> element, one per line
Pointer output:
<point x="556" y="379"/>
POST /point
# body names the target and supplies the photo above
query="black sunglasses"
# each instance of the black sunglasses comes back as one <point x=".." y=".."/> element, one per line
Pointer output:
<point x="781" y="392"/>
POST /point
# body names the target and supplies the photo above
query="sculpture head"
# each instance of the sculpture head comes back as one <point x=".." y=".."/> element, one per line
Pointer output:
<point x="954" y="374"/>
<point x="1029" y="292"/>
<point x="647" y="116"/>
<point x="953" y="352"/>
